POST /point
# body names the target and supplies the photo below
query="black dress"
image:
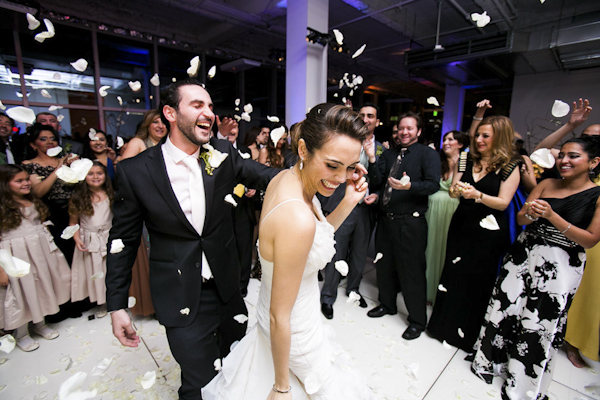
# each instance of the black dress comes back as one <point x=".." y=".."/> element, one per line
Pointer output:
<point x="525" y="322"/>
<point x="472" y="258"/>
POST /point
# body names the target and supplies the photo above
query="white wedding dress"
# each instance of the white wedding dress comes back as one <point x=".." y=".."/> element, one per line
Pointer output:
<point x="319" y="367"/>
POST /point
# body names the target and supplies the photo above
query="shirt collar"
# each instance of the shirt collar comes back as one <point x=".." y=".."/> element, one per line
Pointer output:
<point x="176" y="154"/>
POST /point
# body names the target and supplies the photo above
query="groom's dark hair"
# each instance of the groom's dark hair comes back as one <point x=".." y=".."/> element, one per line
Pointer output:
<point x="171" y="97"/>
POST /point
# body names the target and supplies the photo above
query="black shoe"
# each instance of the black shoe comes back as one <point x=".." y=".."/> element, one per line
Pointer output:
<point x="327" y="310"/>
<point x="379" y="311"/>
<point x="412" y="333"/>
<point x="362" y="302"/>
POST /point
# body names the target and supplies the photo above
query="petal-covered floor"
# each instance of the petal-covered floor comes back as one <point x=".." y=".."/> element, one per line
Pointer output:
<point x="394" y="367"/>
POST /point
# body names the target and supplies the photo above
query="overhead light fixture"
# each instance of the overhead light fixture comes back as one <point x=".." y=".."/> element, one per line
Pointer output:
<point x="438" y="47"/>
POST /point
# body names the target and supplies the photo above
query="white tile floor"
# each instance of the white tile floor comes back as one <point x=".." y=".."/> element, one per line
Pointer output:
<point x="397" y="369"/>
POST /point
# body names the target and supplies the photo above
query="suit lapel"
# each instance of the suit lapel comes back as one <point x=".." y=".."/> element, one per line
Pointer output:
<point x="158" y="173"/>
<point x="209" y="187"/>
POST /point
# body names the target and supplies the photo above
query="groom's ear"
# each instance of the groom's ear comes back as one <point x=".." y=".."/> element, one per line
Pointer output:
<point x="169" y="113"/>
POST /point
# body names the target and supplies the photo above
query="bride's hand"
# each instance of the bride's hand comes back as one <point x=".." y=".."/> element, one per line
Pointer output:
<point x="356" y="186"/>
<point x="279" y="396"/>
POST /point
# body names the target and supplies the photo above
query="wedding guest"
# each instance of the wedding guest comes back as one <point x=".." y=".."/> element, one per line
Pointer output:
<point x="151" y="131"/>
<point x="275" y="154"/>
<point x="8" y="154"/>
<point x="99" y="149"/>
<point x="440" y="209"/>
<point x="478" y="235"/>
<point x="39" y="293"/>
<point x="254" y="140"/>
<point x="525" y="320"/>
<point x="401" y="235"/>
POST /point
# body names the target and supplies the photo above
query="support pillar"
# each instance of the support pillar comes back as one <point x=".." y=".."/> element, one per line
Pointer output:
<point x="454" y="103"/>
<point x="306" y="63"/>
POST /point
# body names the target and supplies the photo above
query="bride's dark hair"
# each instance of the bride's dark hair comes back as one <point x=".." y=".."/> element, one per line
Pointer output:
<point x="325" y="120"/>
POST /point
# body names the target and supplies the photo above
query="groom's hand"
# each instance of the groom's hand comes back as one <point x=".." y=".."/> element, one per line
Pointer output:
<point x="122" y="328"/>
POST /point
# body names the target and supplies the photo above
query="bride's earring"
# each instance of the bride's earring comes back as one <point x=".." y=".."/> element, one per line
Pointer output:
<point x="301" y="164"/>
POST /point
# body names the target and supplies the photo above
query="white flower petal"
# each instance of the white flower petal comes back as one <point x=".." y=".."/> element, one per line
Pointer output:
<point x="45" y="94"/>
<point x="97" y="275"/>
<point x="446" y="345"/>
<point x="416" y="214"/>
<point x="215" y="157"/>
<point x="116" y="246"/>
<point x="273" y="119"/>
<point x="343" y="100"/>
<point x="60" y="118"/>
<point x="351" y="93"/>
<point x="120" y="142"/>
<point x="80" y="65"/>
<point x="358" y="80"/>
<point x="560" y="109"/>
<point x="81" y="168"/>
<point x="7" y="343"/>
<point x="69" y="231"/>
<point x="246" y="117"/>
<point x="457" y="259"/>
<point x="53" y="152"/>
<point x="237" y="117"/>
<point x="185" y="311"/>
<point x="212" y="71"/>
<point x="441" y="288"/>
<point x="490" y="223"/>
<point x="405" y="180"/>
<point x="135" y="86"/>
<point x="33" y="22"/>
<point x="248" y="108"/>
<point x="208" y="147"/>
<point x="237" y="102"/>
<point x="543" y="158"/>
<point x="482" y="20"/>
<point x="359" y="51"/>
<point x="40" y="37"/>
<point x="461" y="333"/>
<point x="412" y="370"/>
<point x="229" y="199"/>
<point x="277" y="134"/>
<point x="192" y="71"/>
<point x="241" y="318"/>
<point x="342" y="267"/>
<point x="66" y="174"/>
<point x="335" y="95"/>
<point x="339" y="37"/>
<point x="245" y="156"/>
<point x="103" y="90"/>
<point x="131" y="302"/>
<point x="21" y="114"/>
<point x="120" y="100"/>
<point x="353" y="297"/>
<point x="155" y="80"/>
<point x="433" y="101"/>
<point x="148" y="379"/>
<point x="217" y="364"/>
<point x="101" y="367"/>
<point x="70" y="389"/>
<point x="92" y="134"/>
<point x="378" y="257"/>
<point x="54" y="108"/>
<point x="49" y="26"/>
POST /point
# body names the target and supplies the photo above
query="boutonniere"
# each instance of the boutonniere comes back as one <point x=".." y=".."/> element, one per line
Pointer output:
<point x="68" y="147"/>
<point x="212" y="158"/>
<point x="379" y="151"/>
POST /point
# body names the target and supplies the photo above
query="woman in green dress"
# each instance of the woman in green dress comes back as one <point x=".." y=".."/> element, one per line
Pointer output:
<point x="440" y="211"/>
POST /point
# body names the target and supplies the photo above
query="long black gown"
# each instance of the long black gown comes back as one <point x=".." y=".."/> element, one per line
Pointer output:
<point x="525" y="321"/>
<point x="472" y="259"/>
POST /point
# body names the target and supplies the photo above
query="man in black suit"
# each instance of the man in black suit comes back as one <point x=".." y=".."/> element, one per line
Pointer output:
<point x="401" y="235"/>
<point x="352" y="237"/>
<point x="178" y="190"/>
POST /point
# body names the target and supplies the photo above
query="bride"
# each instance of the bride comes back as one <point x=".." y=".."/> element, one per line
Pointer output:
<point x="289" y="351"/>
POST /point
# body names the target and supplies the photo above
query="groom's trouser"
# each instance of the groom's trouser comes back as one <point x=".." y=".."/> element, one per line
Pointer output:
<point x="197" y="346"/>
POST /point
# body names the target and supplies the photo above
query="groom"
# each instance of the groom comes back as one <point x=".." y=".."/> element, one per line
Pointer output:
<point x="194" y="267"/>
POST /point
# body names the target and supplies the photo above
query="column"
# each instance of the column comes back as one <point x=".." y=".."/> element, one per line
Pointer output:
<point x="306" y="63"/>
<point x="454" y="102"/>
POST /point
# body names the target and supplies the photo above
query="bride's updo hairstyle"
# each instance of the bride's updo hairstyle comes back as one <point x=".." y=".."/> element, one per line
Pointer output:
<point x="324" y="121"/>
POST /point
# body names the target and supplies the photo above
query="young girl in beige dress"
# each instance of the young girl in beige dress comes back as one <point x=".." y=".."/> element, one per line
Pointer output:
<point x="39" y="293"/>
<point x="90" y="207"/>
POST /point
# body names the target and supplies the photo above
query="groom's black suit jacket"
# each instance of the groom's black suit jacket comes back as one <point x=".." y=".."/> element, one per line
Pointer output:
<point x="145" y="195"/>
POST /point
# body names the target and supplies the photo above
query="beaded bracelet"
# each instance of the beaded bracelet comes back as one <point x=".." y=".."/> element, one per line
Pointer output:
<point x="529" y="217"/>
<point x="281" y="391"/>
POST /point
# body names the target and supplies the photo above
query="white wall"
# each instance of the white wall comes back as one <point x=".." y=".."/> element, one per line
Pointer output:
<point x="533" y="97"/>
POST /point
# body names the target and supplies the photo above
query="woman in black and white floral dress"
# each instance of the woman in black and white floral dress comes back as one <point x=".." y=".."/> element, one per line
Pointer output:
<point x="525" y="321"/>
